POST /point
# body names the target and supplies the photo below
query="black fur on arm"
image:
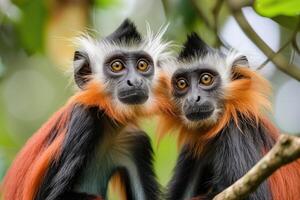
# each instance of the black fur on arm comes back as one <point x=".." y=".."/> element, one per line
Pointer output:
<point x="233" y="153"/>
<point x="183" y="173"/>
<point x="82" y="135"/>
<point x="143" y="157"/>
<point x="78" y="196"/>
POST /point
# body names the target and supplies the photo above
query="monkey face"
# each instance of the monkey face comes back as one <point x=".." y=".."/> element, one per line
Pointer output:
<point x="200" y="78"/>
<point x="129" y="76"/>
<point x="122" y="70"/>
<point x="197" y="92"/>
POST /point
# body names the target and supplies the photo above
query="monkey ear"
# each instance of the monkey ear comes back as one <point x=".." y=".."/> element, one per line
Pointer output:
<point x="126" y="32"/>
<point x="241" y="61"/>
<point x="82" y="68"/>
<point x="194" y="46"/>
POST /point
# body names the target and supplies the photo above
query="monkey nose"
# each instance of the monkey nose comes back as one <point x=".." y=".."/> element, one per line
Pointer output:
<point x="129" y="83"/>
<point x="194" y="99"/>
<point x="134" y="83"/>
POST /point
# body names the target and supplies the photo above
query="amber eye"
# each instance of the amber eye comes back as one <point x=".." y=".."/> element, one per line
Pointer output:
<point x="116" y="66"/>
<point x="206" y="79"/>
<point x="181" y="83"/>
<point x="142" y="65"/>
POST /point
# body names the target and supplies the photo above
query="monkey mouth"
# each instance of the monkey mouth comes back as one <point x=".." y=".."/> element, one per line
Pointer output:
<point x="133" y="97"/>
<point x="200" y="115"/>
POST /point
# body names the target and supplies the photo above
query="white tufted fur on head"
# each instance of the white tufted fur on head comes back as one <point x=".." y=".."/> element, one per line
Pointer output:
<point x="222" y="62"/>
<point x="98" y="50"/>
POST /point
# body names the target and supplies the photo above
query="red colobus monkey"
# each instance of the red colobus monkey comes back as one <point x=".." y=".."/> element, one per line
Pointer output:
<point x="95" y="135"/>
<point x="218" y="105"/>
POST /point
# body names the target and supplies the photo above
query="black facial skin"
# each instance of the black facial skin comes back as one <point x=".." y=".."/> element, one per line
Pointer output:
<point x="131" y="84"/>
<point x="198" y="101"/>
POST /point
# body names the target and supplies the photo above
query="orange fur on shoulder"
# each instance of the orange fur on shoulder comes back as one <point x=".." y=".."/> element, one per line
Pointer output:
<point x="285" y="182"/>
<point x="94" y="95"/>
<point x="15" y="180"/>
<point x="162" y="96"/>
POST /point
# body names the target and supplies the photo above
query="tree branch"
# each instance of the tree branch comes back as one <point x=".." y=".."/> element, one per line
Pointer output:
<point x="166" y="7"/>
<point x="292" y="40"/>
<point x="278" y="59"/>
<point x="212" y="25"/>
<point x="216" y="11"/>
<point x="295" y="45"/>
<point x="286" y="150"/>
<point x="202" y="15"/>
<point x="269" y="59"/>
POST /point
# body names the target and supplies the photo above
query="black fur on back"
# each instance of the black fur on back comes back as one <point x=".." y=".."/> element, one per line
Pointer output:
<point x="125" y="33"/>
<point x="227" y="158"/>
<point x="83" y="132"/>
<point x="194" y="47"/>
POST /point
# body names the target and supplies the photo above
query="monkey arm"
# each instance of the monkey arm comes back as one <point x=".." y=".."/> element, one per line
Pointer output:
<point x="184" y="175"/>
<point x="83" y="132"/>
<point x="233" y="153"/>
<point x="79" y="196"/>
<point x="137" y="179"/>
<point x="143" y="157"/>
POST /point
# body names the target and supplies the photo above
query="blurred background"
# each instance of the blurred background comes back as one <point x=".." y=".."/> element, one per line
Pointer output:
<point x="36" y="50"/>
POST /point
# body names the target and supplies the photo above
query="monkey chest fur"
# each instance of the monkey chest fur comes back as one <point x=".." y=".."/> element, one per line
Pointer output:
<point x="114" y="150"/>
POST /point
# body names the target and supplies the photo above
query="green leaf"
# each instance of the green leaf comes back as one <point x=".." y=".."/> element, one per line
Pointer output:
<point x="287" y="21"/>
<point x="272" y="8"/>
<point x="105" y="3"/>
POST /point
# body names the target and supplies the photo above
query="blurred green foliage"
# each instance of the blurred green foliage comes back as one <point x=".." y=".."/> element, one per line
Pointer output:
<point x="31" y="25"/>
<point x="272" y="8"/>
<point x="284" y="12"/>
<point x="105" y="3"/>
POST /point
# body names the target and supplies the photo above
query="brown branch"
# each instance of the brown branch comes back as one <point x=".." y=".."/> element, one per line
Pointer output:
<point x="269" y="59"/>
<point x="212" y="25"/>
<point x="202" y="15"/>
<point x="166" y="7"/>
<point x="295" y="45"/>
<point x="278" y="59"/>
<point x="286" y="150"/>
<point x="292" y="40"/>
<point x="216" y="11"/>
<point x="294" y="37"/>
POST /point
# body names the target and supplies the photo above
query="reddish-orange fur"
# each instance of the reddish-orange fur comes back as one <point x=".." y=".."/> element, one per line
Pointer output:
<point x="14" y="181"/>
<point x="25" y="174"/>
<point x="248" y="96"/>
<point x="40" y="166"/>
<point x="285" y="182"/>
